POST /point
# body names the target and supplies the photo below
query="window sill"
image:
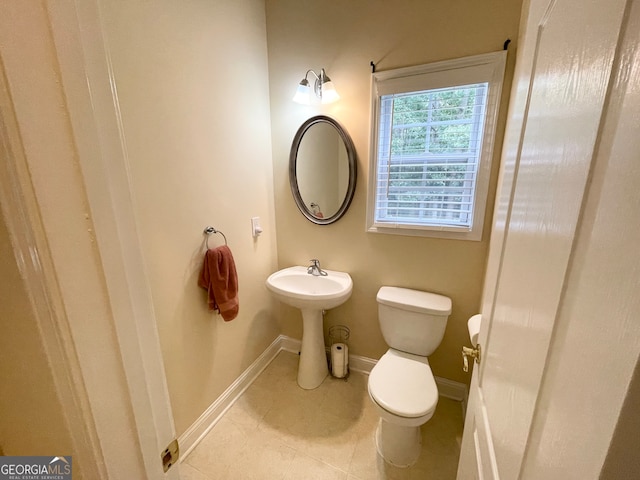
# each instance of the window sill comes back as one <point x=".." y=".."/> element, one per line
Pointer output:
<point x="429" y="232"/>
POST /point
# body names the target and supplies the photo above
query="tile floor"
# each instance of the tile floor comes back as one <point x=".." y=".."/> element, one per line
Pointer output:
<point x="278" y="431"/>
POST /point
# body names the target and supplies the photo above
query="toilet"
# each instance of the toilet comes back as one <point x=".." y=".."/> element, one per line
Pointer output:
<point x="401" y="384"/>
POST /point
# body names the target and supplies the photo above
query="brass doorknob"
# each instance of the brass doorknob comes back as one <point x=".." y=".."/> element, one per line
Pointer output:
<point x="470" y="352"/>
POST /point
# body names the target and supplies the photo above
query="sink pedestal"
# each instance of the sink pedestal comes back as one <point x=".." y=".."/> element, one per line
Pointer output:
<point x="311" y="294"/>
<point x="312" y="367"/>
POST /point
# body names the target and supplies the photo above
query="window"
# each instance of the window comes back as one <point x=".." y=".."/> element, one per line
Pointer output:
<point x="432" y="146"/>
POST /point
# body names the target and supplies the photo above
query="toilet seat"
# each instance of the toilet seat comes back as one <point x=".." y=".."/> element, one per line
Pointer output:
<point x="403" y="384"/>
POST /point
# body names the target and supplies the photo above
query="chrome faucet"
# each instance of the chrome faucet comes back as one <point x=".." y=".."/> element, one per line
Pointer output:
<point x="314" y="268"/>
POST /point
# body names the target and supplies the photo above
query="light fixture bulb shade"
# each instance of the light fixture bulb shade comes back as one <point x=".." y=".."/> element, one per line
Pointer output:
<point x="329" y="93"/>
<point x="302" y="93"/>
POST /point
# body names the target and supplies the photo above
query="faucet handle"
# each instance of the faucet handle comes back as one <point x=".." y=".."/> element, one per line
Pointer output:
<point x="315" y="262"/>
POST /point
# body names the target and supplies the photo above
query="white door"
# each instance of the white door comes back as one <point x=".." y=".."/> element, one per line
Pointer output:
<point x="565" y="60"/>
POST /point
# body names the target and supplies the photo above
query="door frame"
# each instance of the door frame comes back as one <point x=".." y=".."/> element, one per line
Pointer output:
<point x="74" y="32"/>
<point x="89" y="82"/>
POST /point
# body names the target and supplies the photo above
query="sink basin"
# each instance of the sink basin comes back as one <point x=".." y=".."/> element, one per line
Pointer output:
<point x="295" y="287"/>
<point x="311" y="294"/>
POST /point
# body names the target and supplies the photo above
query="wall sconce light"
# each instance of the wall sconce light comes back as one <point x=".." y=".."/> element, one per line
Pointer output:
<point x="323" y="88"/>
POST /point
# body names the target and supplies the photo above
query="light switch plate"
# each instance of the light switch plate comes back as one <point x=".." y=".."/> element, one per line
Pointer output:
<point x="256" y="229"/>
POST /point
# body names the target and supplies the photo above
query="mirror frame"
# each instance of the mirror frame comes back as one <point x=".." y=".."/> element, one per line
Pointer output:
<point x="293" y="177"/>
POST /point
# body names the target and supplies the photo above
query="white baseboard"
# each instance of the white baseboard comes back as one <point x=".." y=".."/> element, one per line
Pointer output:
<point x="196" y="432"/>
<point x="361" y="364"/>
<point x="289" y="344"/>
<point x="450" y="389"/>
<point x="356" y="362"/>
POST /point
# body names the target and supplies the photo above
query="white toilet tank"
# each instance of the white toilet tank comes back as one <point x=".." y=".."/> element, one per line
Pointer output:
<point x="412" y="321"/>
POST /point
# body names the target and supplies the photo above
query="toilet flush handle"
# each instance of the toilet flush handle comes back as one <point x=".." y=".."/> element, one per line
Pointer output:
<point x="470" y="352"/>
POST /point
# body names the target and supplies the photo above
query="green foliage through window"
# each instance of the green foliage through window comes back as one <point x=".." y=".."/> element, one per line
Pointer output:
<point x="428" y="152"/>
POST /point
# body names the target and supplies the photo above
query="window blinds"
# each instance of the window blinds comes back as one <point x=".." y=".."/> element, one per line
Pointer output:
<point x="428" y="153"/>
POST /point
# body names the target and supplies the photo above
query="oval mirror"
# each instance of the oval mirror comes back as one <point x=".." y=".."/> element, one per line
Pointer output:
<point x="322" y="170"/>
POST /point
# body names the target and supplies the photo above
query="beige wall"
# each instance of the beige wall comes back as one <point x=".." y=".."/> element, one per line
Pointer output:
<point x="343" y="37"/>
<point x="193" y="92"/>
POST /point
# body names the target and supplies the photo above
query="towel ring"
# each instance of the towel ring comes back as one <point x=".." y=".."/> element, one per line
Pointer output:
<point x="209" y="230"/>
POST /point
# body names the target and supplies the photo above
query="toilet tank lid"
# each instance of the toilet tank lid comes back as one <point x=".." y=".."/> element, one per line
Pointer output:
<point x="414" y="300"/>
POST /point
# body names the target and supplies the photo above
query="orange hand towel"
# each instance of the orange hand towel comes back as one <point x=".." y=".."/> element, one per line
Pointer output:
<point x="220" y="279"/>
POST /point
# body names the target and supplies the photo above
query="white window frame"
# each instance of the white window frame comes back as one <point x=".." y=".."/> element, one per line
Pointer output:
<point x="487" y="68"/>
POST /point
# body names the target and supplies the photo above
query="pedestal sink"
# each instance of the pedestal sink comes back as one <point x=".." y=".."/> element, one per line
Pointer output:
<point x="311" y="294"/>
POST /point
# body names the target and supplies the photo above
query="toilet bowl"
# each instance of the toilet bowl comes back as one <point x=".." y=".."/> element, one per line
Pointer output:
<point x="401" y="384"/>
